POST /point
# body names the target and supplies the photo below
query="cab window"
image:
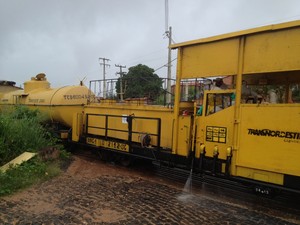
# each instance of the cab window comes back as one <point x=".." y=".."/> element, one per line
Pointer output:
<point x="216" y="102"/>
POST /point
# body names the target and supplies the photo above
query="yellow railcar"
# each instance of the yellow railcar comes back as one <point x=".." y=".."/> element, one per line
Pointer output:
<point x="255" y="122"/>
<point x="235" y="111"/>
<point x="58" y="104"/>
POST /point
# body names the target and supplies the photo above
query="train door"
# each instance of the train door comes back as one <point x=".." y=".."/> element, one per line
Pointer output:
<point x="214" y="131"/>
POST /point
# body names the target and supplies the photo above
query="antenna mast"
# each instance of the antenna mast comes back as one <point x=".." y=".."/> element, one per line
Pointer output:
<point x="166" y="16"/>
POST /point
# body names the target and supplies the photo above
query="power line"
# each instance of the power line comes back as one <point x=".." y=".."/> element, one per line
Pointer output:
<point x="164" y="65"/>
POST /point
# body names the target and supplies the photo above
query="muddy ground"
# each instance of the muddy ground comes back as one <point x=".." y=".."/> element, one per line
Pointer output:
<point x="93" y="192"/>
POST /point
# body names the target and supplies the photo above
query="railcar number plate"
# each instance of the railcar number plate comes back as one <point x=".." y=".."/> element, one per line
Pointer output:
<point x="108" y="144"/>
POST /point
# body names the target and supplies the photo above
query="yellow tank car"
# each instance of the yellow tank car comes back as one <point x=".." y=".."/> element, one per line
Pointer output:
<point x="59" y="104"/>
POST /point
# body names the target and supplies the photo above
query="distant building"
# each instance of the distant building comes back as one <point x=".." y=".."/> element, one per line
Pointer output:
<point x="8" y="86"/>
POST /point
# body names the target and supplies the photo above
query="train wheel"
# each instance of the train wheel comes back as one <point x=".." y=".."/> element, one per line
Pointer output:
<point x="102" y="156"/>
<point x="125" y="161"/>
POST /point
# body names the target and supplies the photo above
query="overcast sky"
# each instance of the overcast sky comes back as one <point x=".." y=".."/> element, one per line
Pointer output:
<point x="65" y="38"/>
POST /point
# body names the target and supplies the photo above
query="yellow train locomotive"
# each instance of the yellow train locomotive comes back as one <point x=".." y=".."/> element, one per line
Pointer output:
<point x="235" y="111"/>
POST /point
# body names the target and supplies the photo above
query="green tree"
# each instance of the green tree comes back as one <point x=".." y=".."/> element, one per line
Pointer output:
<point x="139" y="82"/>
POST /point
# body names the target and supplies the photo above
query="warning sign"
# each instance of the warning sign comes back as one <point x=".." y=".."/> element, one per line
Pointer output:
<point x="216" y="134"/>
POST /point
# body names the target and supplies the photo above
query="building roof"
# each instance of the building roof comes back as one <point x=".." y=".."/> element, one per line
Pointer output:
<point x="7" y="83"/>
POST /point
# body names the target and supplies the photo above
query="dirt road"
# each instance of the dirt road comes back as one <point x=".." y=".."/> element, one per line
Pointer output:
<point x="92" y="192"/>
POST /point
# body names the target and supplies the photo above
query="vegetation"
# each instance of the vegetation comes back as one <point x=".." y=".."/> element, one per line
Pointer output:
<point x="140" y="82"/>
<point x="26" y="174"/>
<point x="22" y="130"/>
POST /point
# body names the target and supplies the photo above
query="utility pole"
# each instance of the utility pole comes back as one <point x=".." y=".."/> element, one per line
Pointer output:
<point x="121" y="83"/>
<point x="168" y="33"/>
<point x="104" y="64"/>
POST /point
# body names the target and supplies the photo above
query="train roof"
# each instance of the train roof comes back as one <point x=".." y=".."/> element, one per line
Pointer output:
<point x="279" y="26"/>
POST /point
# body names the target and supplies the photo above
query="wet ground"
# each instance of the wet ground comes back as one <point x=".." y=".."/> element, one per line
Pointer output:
<point x="92" y="192"/>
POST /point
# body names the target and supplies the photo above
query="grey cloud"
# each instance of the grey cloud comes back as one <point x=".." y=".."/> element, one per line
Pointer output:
<point x="64" y="39"/>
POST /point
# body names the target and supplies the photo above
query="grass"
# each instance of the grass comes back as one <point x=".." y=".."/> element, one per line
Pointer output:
<point x="26" y="174"/>
<point x="23" y="130"/>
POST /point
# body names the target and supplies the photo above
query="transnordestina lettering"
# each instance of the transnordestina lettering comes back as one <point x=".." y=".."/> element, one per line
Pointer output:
<point x="274" y="133"/>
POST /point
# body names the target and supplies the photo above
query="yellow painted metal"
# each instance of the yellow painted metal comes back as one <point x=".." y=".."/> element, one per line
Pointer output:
<point x="210" y="59"/>
<point x="38" y="82"/>
<point x="272" y="52"/>
<point x="268" y="145"/>
<point x="215" y="130"/>
<point x="268" y="28"/>
<point x="25" y="156"/>
<point x="177" y="102"/>
<point x="12" y="97"/>
<point x="265" y="51"/>
<point x="223" y="168"/>
<point x="118" y="126"/>
<point x="260" y="175"/>
<point x="185" y="134"/>
<point x="193" y="136"/>
<point x="238" y="94"/>
<point x="77" y="126"/>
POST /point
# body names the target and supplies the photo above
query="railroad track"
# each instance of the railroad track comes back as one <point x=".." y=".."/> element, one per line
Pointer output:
<point x="230" y="188"/>
<point x="198" y="180"/>
<point x="211" y="184"/>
